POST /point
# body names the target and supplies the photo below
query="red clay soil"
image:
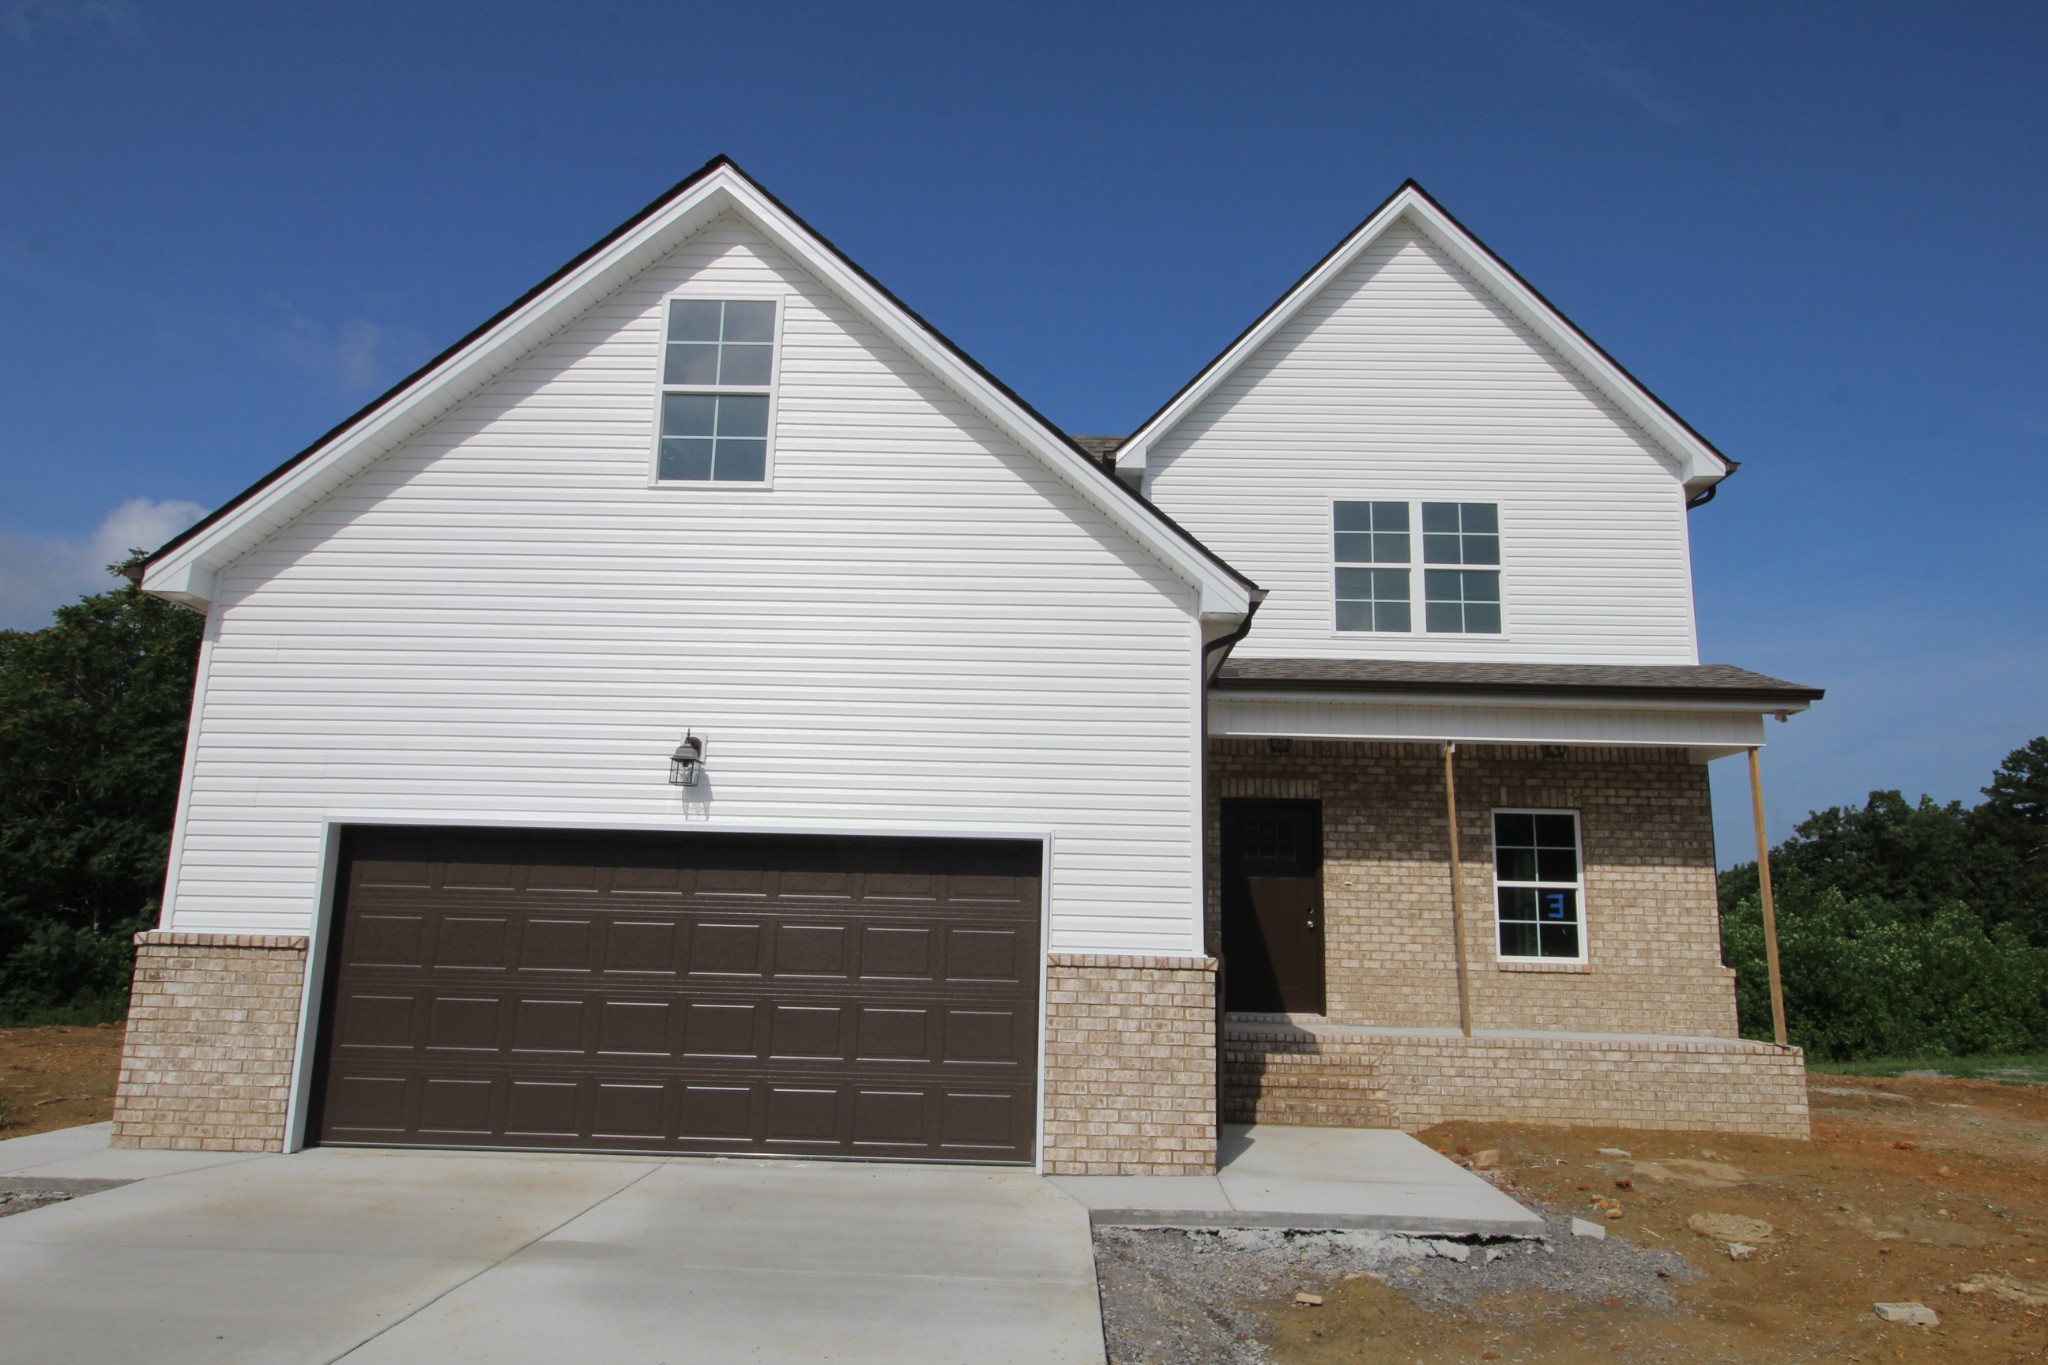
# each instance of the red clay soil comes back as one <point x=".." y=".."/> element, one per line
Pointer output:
<point x="57" y="1077"/>
<point x="1909" y="1189"/>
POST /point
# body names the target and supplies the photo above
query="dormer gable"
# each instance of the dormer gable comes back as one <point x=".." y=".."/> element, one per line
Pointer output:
<point x="1412" y="209"/>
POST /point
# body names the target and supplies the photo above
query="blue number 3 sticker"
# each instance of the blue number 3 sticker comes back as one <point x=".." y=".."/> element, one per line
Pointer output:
<point x="1553" y="905"/>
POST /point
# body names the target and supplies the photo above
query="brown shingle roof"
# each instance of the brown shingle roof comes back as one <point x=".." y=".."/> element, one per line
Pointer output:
<point x="1719" y="682"/>
<point x="1101" y="449"/>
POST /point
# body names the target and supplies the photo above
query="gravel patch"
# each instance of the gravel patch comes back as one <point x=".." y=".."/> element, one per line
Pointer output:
<point x="19" y="1195"/>
<point x="1191" y="1297"/>
<point x="21" y="1201"/>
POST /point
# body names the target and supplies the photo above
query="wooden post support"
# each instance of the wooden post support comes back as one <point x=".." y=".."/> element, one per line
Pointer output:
<point x="1457" y="896"/>
<point x="1763" y="874"/>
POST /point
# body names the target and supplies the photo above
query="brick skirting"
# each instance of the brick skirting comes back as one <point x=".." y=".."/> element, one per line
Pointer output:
<point x="1130" y="1065"/>
<point x="1415" y="1078"/>
<point x="212" y="1028"/>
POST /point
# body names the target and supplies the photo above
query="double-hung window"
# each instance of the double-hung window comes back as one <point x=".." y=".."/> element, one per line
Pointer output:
<point x="1375" y="567"/>
<point x="1372" y="566"/>
<point x="717" y="365"/>
<point x="1539" y="885"/>
<point x="1461" y="600"/>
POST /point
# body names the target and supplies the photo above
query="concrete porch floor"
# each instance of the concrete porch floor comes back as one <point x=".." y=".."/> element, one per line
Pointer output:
<point x="1271" y="1176"/>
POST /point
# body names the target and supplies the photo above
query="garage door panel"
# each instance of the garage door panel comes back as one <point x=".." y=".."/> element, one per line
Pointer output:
<point x="482" y="942"/>
<point x="730" y="994"/>
<point x="726" y="948"/>
<point x="390" y="939"/>
<point x="817" y="950"/>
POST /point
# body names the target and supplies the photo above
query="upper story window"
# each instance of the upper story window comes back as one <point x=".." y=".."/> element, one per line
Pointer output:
<point x="1461" y="601"/>
<point x="718" y="361"/>
<point x="1375" y="558"/>
<point x="1371" y="534"/>
<point x="1539" y="884"/>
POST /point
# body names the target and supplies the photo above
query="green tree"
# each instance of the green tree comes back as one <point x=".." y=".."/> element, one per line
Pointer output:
<point x="1865" y="977"/>
<point x="1920" y="857"/>
<point x="93" y="710"/>
<point x="2011" y="833"/>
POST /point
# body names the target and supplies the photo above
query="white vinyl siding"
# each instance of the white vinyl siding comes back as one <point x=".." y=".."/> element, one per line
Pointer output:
<point x="1403" y="381"/>
<point x="919" y="628"/>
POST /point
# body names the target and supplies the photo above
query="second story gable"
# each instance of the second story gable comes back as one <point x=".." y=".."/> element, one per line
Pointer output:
<point x="1419" y="458"/>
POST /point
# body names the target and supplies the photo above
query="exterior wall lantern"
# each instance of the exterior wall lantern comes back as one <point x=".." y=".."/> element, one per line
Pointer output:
<point x="686" y="764"/>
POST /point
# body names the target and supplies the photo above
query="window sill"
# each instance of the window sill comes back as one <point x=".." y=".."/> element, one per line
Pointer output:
<point x="1539" y="965"/>
<point x="739" y="485"/>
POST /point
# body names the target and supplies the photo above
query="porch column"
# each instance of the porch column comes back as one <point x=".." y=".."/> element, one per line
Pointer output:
<point x="1763" y="873"/>
<point x="1457" y="894"/>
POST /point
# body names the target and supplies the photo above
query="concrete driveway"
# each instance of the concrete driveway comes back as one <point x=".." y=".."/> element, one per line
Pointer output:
<point x="384" y="1256"/>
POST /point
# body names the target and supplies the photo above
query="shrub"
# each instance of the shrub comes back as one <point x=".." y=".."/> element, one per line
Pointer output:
<point x="1866" y="977"/>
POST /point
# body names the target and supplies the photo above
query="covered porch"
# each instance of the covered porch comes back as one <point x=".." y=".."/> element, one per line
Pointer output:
<point x="1474" y="891"/>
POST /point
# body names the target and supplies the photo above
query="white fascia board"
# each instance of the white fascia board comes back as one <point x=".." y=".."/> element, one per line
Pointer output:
<point x="1433" y="719"/>
<point x="186" y="573"/>
<point x="1513" y="700"/>
<point x="1699" y="466"/>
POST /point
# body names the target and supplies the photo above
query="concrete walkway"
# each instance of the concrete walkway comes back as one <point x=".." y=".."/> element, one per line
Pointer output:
<point x="381" y="1256"/>
<point x="1325" y="1178"/>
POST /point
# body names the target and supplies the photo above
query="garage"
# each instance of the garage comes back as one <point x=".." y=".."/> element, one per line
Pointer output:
<point x="772" y="995"/>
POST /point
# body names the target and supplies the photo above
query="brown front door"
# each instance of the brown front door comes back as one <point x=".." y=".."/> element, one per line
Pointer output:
<point x="767" y="994"/>
<point x="1273" y="906"/>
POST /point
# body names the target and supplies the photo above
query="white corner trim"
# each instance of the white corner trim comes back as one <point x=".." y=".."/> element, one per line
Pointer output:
<point x="1698" y="464"/>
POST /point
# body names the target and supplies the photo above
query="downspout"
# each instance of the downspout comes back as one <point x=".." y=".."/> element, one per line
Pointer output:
<point x="1221" y="647"/>
<point x="1702" y="499"/>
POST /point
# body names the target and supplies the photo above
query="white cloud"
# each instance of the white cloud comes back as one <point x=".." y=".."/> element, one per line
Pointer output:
<point x="354" y="355"/>
<point x="41" y="573"/>
<point x="25" y="21"/>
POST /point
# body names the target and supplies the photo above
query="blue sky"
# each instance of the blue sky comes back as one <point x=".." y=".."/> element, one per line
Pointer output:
<point x="1816" y="230"/>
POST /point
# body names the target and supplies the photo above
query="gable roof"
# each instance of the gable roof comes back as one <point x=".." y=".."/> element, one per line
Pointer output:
<point x="183" y="569"/>
<point x="1701" y="464"/>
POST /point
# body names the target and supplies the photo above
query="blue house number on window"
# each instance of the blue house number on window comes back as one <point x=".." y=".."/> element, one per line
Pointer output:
<point x="1553" y="905"/>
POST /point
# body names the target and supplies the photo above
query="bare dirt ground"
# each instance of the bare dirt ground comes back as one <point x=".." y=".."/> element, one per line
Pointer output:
<point x="57" y="1077"/>
<point x="1909" y="1189"/>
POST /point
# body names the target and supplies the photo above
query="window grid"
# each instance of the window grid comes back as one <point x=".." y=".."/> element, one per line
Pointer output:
<point x="1373" y="544"/>
<point x="1372" y="598"/>
<point x="1461" y="600"/>
<point x="718" y="361"/>
<point x="1539" y="886"/>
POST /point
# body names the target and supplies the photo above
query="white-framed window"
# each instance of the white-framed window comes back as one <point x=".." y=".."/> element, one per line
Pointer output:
<point x="1539" y="886"/>
<point x="1374" y="553"/>
<point x="1373" y="550"/>
<point x="1461" y="600"/>
<point x="717" y="385"/>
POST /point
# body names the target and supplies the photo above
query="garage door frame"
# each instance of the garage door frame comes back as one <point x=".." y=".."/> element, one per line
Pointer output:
<point x="299" y="1104"/>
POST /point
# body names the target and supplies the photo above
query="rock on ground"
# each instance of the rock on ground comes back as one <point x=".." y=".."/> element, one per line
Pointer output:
<point x="1192" y="1297"/>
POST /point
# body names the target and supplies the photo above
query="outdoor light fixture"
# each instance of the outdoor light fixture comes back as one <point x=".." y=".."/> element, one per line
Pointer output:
<point x="686" y="764"/>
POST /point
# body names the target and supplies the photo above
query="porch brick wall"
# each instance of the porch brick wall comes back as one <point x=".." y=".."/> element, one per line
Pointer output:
<point x="212" y="1027"/>
<point x="1651" y="910"/>
<point x="1130" y="1065"/>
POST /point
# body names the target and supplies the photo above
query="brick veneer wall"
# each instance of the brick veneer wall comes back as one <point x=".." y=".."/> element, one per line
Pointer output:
<point x="1130" y="1065"/>
<point x="1651" y="913"/>
<point x="212" y="1028"/>
<point x="1725" y="1085"/>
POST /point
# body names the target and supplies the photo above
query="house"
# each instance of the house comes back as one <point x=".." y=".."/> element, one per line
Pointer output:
<point x="703" y="710"/>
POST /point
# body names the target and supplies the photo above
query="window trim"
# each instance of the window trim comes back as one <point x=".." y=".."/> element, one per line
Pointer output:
<point x="1493" y="876"/>
<point x="771" y="390"/>
<point x="1418" y="594"/>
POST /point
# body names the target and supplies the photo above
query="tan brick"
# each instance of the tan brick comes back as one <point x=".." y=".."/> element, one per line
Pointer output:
<point x="207" y="1064"/>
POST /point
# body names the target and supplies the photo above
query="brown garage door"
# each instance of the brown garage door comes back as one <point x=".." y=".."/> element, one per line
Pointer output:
<point x="683" y="993"/>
